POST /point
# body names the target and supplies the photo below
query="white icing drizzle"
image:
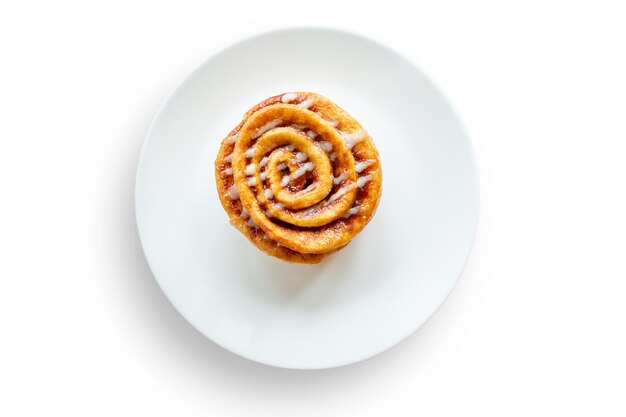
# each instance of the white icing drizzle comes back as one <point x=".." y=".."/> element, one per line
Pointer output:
<point x="251" y="181"/>
<point x="285" y="181"/>
<point x="232" y="193"/>
<point x="301" y="157"/>
<point x="307" y="103"/>
<point x="263" y="161"/>
<point x="281" y="166"/>
<point x="311" y="134"/>
<point x="228" y="171"/>
<point x="352" y="139"/>
<point x="279" y="206"/>
<point x="263" y="175"/>
<point x="269" y="194"/>
<point x="244" y="213"/>
<point x="298" y="127"/>
<point x="341" y="191"/>
<point x="267" y="126"/>
<point x="290" y="148"/>
<point x="232" y="138"/>
<point x="362" y="166"/>
<point x="250" y="169"/>
<point x="286" y="98"/>
<point x="363" y="180"/>
<point x="334" y="123"/>
<point x="252" y="223"/>
<point x="228" y="158"/>
<point x="250" y="152"/>
<point x="325" y="145"/>
<point x="332" y="157"/>
<point x="315" y="207"/>
<point x="309" y="166"/>
<point x="339" y="179"/>
<point x="351" y="212"/>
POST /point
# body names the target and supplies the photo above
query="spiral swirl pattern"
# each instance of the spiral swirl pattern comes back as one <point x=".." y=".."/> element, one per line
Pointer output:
<point x="299" y="177"/>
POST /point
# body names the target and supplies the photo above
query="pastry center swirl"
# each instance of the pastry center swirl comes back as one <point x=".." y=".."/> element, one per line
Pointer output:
<point x="288" y="173"/>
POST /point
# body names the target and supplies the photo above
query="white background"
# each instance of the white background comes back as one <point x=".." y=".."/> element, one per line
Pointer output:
<point x="536" y="325"/>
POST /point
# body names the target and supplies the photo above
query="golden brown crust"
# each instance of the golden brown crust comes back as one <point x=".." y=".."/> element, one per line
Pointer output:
<point x="299" y="177"/>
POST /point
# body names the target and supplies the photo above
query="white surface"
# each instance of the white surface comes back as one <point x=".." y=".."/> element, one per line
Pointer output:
<point x="372" y="294"/>
<point x="535" y="325"/>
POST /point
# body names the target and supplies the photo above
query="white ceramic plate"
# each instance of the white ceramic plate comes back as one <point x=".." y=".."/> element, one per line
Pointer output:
<point x="360" y="301"/>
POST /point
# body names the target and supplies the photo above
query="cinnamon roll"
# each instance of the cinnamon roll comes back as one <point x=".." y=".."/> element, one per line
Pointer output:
<point x="299" y="177"/>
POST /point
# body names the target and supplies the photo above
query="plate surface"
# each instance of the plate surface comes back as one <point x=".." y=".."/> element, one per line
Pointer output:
<point x="360" y="301"/>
